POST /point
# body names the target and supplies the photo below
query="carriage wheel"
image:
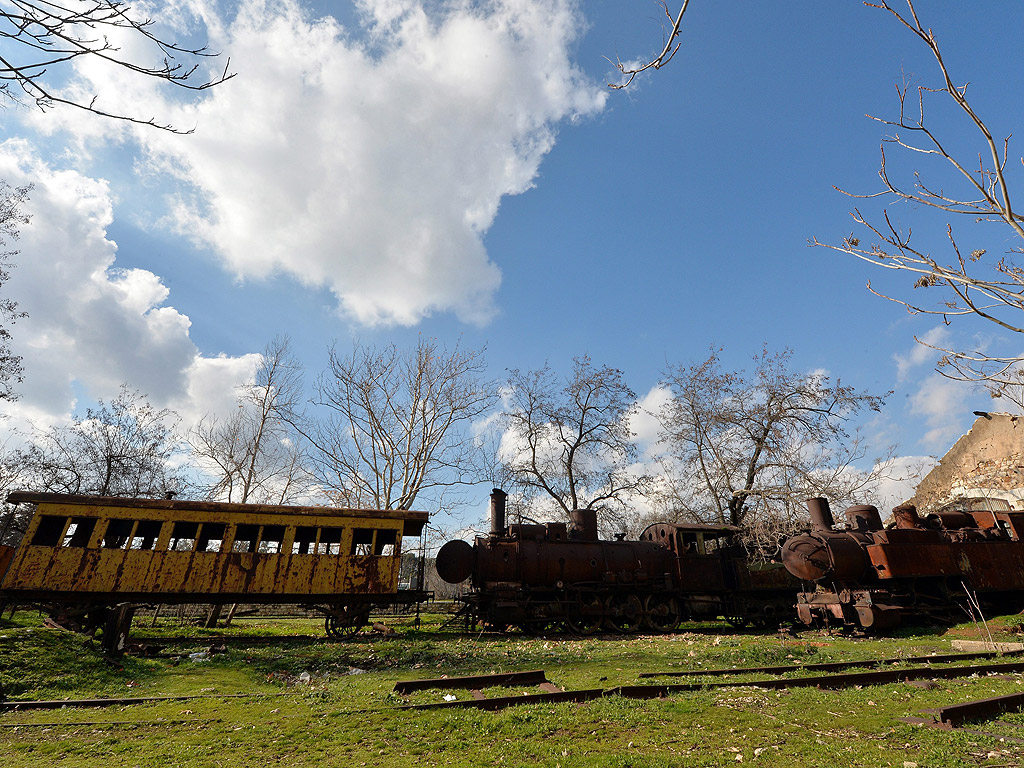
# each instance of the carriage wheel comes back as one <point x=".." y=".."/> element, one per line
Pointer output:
<point x="344" y="622"/>
<point x="662" y="613"/>
<point x="625" y="613"/>
<point x="586" y="615"/>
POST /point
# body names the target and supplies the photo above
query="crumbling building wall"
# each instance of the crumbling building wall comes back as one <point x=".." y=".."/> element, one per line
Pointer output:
<point x="988" y="462"/>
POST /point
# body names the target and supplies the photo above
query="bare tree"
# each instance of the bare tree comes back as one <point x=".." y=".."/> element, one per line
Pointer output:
<point x="42" y="38"/>
<point x="391" y="424"/>
<point x="977" y="185"/>
<point x="671" y="45"/>
<point x="11" y="216"/>
<point x="14" y="518"/>
<point x="748" y="448"/>
<point x="568" y="443"/>
<point x="254" y="455"/>
<point x="125" y="448"/>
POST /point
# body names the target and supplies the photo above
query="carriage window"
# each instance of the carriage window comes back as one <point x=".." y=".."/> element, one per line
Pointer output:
<point x="385" y="544"/>
<point x="270" y="541"/>
<point x="183" y="536"/>
<point x="211" y="537"/>
<point x="330" y="541"/>
<point x="79" y="531"/>
<point x="305" y="538"/>
<point x="49" y="531"/>
<point x="245" y="538"/>
<point x="117" y="534"/>
<point x="362" y="541"/>
<point x="146" y="534"/>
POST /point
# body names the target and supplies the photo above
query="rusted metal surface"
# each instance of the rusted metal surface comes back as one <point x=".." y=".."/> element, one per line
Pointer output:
<point x="414" y="520"/>
<point x="15" y="705"/>
<point x="87" y="560"/>
<point x="533" y="677"/>
<point x="956" y="714"/>
<point x="501" y="702"/>
<point x="550" y="693"/>
<point x="874" y="577"/>
<point x="543" y="578"/>
<point x="170" y="551"/>
<point x="880" y="677"/>
<point x="830" y="666"/>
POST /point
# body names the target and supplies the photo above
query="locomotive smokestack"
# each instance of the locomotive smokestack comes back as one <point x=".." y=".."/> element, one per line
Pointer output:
<point x="905" y="516"/>
<point x="498" y="512"/>
<point x="821" y="515"/>
<point x="584" y="525"/>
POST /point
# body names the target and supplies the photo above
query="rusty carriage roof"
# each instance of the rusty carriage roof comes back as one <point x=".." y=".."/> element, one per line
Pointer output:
<point x="414" y="521"/>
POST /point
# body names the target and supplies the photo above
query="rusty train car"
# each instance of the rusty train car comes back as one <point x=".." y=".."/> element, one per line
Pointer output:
<point x="89" y="561"/>
<point x="544" y="577"/>
<point x="940" y="567"/>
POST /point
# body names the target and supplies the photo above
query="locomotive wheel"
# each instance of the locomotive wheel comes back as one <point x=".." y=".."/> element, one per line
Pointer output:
<point x="625" y="613"/>
<point x="344" y="622"/>
<point x="661" y="613"/>
<point x="538" y="619"/>
<point x="586" y="615"/>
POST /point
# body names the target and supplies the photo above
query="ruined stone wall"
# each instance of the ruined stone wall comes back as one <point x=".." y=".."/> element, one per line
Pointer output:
<point x="987" y="461"/>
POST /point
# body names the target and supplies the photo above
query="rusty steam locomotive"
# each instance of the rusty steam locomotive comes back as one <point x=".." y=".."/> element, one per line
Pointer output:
<point x="941" y="567"/>
<point x="545" y="577"/>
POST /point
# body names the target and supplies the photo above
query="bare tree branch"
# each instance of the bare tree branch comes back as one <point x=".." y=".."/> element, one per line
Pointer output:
<point x="964" y="284"/>
<point x="748" y="448"/>
<point x="391" y="424"/>
<point x="39" y="36"/>
<point x="630" y="71"/>
<point x="569" y="442"/>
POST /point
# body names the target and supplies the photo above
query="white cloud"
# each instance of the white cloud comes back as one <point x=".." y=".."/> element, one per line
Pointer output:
<point x="922" y="353"/>
<point x="942" y="402"/>
<point x="91" y="325"/>
<point x="373" y="166"/>
<point x="644" y="423"/>
<point x="899" y="480"/>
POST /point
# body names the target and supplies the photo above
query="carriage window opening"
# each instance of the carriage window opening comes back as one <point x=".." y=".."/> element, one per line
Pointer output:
<point x="385" y="543"/>
<point x="211" y="537"/>
<point x="688" y="544"/>
<point x="146" y="534"/>
<point x="362" y="541"/>
<point x="183" y="536"/>
<point x="245" y="538"/>
<point x="305" y="539"/>
<point x="79" y="531"/>
<point x="330" y="541"/>
<point x="49" y="531"/>
<point x="117" y="534"/>
<point x="270" y="541"/>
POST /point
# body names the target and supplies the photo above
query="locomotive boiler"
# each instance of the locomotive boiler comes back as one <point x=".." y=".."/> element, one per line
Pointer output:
<point x="542" y="577"/>
<point x="944" y="565"/>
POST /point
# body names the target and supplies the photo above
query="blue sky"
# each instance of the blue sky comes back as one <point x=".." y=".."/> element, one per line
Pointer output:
<point x="422" y="175"/>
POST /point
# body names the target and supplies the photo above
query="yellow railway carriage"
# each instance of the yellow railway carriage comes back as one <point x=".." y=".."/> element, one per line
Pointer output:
<point x="82" y="556"/>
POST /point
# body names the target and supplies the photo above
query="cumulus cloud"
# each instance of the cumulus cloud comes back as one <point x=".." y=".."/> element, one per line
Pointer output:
<point x="92" y="326"/>
<point x="942" y="402"/>
<point x="922" y="353"/>
<point x="369" y="160"/>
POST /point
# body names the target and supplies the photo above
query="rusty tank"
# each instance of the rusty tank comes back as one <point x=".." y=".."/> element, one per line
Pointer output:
<point x="942" y="566"/>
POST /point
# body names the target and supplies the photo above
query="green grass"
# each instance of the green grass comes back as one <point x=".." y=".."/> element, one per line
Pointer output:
<point x="347" y="714"/>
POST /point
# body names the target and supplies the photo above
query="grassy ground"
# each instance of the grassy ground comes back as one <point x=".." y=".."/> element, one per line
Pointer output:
<point x="346" y="714"/>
